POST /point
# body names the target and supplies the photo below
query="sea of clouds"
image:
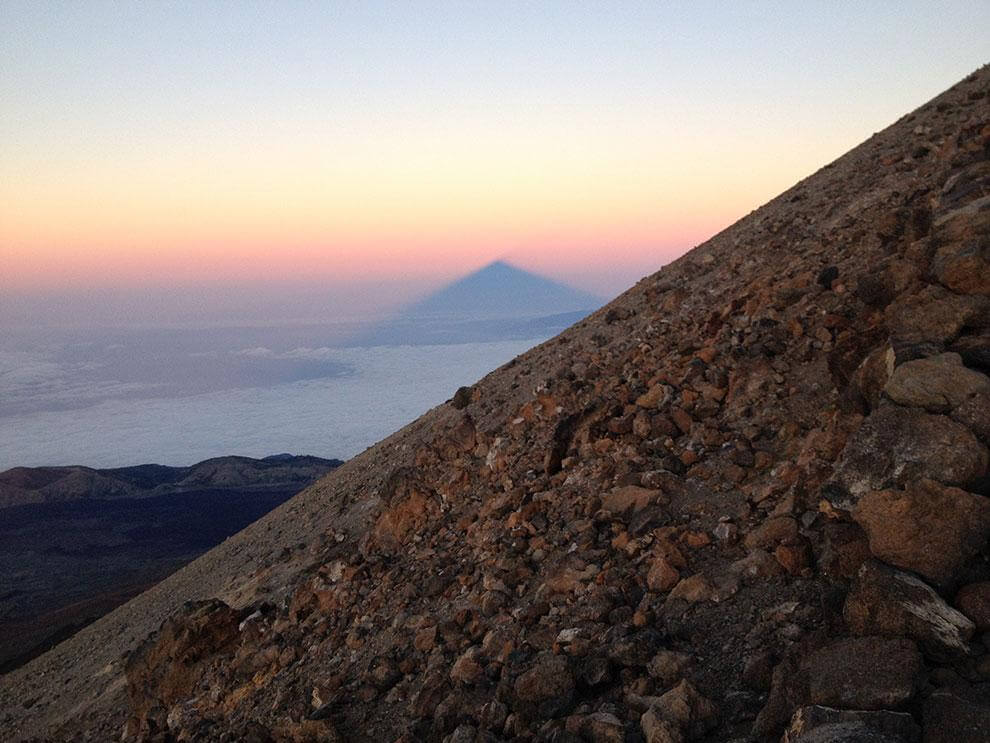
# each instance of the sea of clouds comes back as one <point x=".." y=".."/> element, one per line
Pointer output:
<point x="74" y="406"/>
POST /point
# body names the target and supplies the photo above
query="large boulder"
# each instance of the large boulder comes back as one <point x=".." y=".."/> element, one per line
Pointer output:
<point x="962" y="256"/>
<point x="935" y="315"/>
<point x="888" y="602"/>
<point x="864" y="673"/>
<point x="896" y="446"/>
<point x="939" y="384"/>
<point x="166" y="668"/>
<point x="830" y="725"/>
<point x="929" y="528"/>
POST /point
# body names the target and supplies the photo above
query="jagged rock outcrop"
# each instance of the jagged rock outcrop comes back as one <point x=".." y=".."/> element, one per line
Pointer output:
<point x="661" y="525"/>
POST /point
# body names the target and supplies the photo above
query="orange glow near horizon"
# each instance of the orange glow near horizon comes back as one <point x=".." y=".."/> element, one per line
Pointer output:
<point x="163" y="144"/>
<point x="440" y="209"/>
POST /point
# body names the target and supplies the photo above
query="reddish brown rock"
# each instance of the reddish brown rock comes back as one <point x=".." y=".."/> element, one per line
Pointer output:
<point x="928" y="528"/>
<point x="397" y="523"/>
<point x="169" y="665"/>
<point x="549" y="678"/>
<point x="466" y="669"/>
<point x="662" y="576"/>
<point x="692" y="589"/>
<point x="780" y="530"/>
<point x="630" y="498"/>
<point x="962" y="258"/>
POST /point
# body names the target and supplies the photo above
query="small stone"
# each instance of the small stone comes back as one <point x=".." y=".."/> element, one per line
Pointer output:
<point x="793" y="558"/>
<point x="466" y="670"/>
<point x="668" y="667"/>
<point x="692" y="589"/>
<point x="681" y="419"/>
<point x="757" y="564"/>
<point x="630" y="498"/>
<point x="827" y="275"/>
<point x="603" y="727"/>
<point x="779" y="530"/>
<point x="462" y="734"/>
<point x="684" y="706"/>
<point x="462" y="398"/>
<point x="658" y="730"/>
<point x="549" y="678"/>
<point x="425" y="639"/>
<point x="727" y="532"/>
<point x="663" y="576"/>
<point x="652" y="397"/>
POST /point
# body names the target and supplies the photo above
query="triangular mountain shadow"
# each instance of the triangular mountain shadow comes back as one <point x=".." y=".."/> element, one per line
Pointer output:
<point x="497" y="302"/>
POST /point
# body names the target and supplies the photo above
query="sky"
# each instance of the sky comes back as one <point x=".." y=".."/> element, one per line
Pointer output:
<point x="214" y="160"/>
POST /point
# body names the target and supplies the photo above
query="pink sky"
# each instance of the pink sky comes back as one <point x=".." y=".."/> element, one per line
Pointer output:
<point x="202" y="145"/>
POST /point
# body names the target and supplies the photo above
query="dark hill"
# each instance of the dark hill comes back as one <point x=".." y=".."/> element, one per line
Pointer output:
<point x="21" y="485"/>
<point x="749" y="496"/>
<point x="76" y="542"/>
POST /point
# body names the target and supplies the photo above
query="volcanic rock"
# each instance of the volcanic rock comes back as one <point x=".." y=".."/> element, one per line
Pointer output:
<point x="895" y="604"/>
<point x="821" y="724"/>
<point x="939" y="384"/>
<point x="928" y="528"/>
<point x="864" y="673"/>
<point x="896" y="445"/>
<point x="955" y="716"/>
<point x="973" y="600"/>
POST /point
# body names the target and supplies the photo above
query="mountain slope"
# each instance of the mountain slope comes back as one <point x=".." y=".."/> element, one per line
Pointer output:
<point x="749" y="493"/>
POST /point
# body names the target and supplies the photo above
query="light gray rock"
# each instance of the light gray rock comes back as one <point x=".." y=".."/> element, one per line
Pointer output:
<point x="889" y="602"/>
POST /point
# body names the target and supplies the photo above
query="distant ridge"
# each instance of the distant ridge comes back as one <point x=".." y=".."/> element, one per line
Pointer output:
<point x="22" y="485"/>
<point x="503" y="290"/>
